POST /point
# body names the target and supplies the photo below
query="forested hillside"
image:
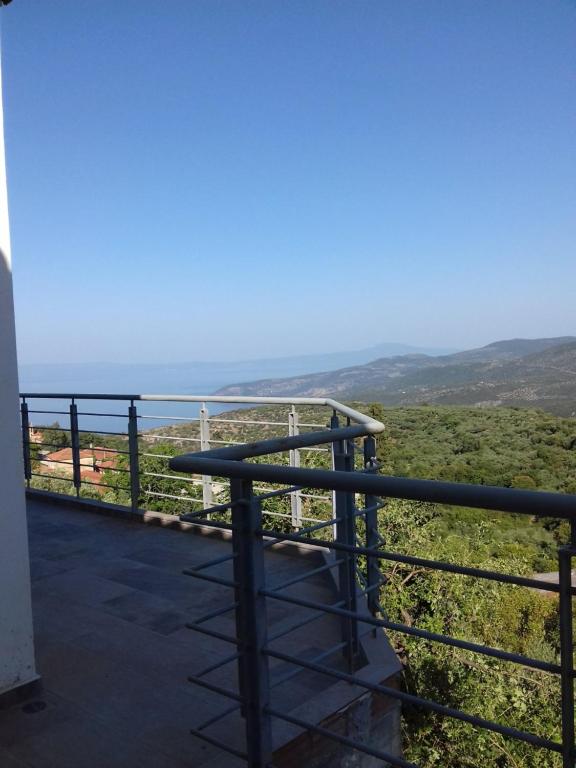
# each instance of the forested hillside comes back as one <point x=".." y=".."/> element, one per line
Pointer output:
<point x="511" y="447"/>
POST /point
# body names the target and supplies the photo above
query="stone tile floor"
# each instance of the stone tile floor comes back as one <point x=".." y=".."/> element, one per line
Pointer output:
<point x="110" y="607"/>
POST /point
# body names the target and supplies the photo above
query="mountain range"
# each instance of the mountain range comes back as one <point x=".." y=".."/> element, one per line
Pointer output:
<point x="516" y="372"/>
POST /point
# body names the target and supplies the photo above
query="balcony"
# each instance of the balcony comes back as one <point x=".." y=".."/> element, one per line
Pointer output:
<point x="251" y="628"/>
<point x="111" y="607"/>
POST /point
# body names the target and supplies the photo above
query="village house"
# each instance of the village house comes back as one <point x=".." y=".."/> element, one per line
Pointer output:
<point x="93" y="462"/>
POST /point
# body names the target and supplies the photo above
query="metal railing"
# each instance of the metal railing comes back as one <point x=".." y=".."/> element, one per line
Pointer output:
<point x="358" y="554"/>
<point x="140" y="476"/>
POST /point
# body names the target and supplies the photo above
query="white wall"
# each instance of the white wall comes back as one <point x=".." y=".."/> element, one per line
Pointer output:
<point x="17" y="665"/>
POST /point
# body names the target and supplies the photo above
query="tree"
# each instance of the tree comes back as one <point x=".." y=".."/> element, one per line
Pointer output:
<point x="481" y="611"/>
<point x="55" y="436"/>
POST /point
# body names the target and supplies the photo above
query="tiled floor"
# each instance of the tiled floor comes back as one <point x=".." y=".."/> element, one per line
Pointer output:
<point x="110" y="607"/>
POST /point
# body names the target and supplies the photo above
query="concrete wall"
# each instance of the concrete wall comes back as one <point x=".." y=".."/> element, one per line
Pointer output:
<point x="371" y="720"/>
<point x="17" y="665"/>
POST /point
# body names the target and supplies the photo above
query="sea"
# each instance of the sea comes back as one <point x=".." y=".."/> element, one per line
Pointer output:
<point x="134" y="379"/>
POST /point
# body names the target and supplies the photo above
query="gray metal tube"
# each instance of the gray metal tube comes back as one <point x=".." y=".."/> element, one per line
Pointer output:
<point x="539" y="503"/>
<point x="566" y="655"/>
<point x="134" y="458"/>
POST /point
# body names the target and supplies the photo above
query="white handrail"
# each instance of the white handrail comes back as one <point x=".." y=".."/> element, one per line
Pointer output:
<point x="373" y="426"/>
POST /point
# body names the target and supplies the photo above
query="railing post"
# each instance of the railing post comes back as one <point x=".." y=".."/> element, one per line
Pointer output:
<point x="565" y="555"/>
<point x="251" y="623"/>
<point x="334" y="424"/>
<point x="133" y="456"/>
<point x="373" y="576"/>
<point x="207" y="497"/>
<point x="75" y="445"/>
<point x="26" y="441"/>
<point x="343" y="460"/>
<point x="295" y="496"/>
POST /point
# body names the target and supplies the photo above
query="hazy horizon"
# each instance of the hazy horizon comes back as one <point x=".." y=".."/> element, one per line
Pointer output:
<point x="410" y="349"/>
<point x="395" y="348"/>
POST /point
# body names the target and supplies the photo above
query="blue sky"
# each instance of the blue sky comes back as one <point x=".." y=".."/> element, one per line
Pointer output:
<point x="225" y="178"/>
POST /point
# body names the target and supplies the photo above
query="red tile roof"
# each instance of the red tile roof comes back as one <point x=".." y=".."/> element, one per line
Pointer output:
<point x="101" y="456"/>
<point x="64" y="454"/>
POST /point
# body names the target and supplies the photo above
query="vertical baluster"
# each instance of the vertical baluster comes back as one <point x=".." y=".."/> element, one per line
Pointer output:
<point x="565" y="555"/>
<point x="295" y="496"/>
<point x="75" y="445"/>
<point x="373" y="577"/>
<point x="343" y="458"/>
<point x="26" y="441"/>
<point x="251" y="622"/>
<point x="207" y="496"/>
<point x="334" y="424"/>
<point x="133" y="456"/>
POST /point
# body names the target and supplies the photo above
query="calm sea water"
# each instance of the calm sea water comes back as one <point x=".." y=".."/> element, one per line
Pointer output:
<point x="181" y="379"/>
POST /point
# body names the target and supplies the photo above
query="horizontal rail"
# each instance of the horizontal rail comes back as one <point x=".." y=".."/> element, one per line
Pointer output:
<point x="221" y="715"/>
<point x="52" y="413"/>
<point x="150" y="436"/>
<point x="408" y="698"/>
<point x="212" y="633"/>
<point x="47" y="461"/>
<point x="538" y="503"/>
<point x="98" y="485"/>
<point x="212" y="563"/>
<point x="423" y="634"/>
<point x="50" y="476"/>
<point x="249" y="422"/>
<point x="185" y="498"/>
<point x="372" y="425"/>
<point x="435" y="565"/>
<point x="172" y="477"/>
<point x="217" y="665"/>
<point x="216" y="612"/>
<point x="314" y="616"/>
<point x="306" y="575"/>
<point x="169" y="418"/>
<point x="213" y="579"/>
<point x="98" y="432"/>
<point x="217" y="742"/>
<point x="266" y="447"/>
<point x="397" y="762"/>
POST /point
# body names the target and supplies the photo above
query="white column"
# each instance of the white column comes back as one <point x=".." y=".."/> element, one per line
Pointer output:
<point x="17" y="666"/>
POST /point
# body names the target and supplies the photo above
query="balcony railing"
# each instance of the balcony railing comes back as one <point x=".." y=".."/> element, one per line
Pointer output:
<point x="139" y="475"/>
<point x="340" y="494"/>
<point x="357" y="541"/>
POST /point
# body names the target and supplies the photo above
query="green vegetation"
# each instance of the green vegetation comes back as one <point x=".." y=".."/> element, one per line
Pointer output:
<point x="57" y="437"/>
<point x="509" y="447"/>
<point x="502" y="616"/>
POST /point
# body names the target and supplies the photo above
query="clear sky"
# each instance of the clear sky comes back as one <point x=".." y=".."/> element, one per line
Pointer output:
<point x="213" y="179"/>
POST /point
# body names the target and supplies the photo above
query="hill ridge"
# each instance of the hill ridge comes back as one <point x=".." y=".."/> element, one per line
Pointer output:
<point x="518" y="372"/>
